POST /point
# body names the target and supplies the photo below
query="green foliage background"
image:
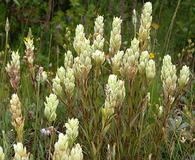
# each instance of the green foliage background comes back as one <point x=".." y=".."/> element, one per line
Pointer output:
<point x="49" y="19"/>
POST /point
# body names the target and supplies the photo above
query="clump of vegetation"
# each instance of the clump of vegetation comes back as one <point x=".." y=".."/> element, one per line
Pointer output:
<point x="123" y="102"/>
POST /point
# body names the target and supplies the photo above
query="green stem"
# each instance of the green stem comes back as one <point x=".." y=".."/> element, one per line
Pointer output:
<point x="5" y="55"/>
<point x="5" y="144"/>
<point x="49" y="52"/>
<point x="140" y="134"/>
<point x="36" y="119"/>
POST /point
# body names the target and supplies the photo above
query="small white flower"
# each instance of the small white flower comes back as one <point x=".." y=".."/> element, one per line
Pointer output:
<point x="115" y="37"/>
<point x="20" y="152"/>
<point x="79" y="38"/>
<point x="15" y="109"/>
<point x="2" y="155"/>
<point x="98" y="42"/>
<point x="168" y="76"/>
<point x="68" y="59"/>
<point x="72" y="129"/>
<point x="61" y="148"/>
<point x="15" y="61"/>
<point x="61" y="73"/>
<point x="13" y="70"/>
<point x="160" y="110"/>
<point x="115" y="94"/>
<point x="56" y="86"/>
<point x="116" y="61"/>
<point x="146" y="20"/>
<point x="135" y="45"/>
<point x="130" y="60"/>
<point x="144" y="58"/>
<point x="150" y="69"/>
<point x="99" y="25"/>
<point x="69" y="82"/>
<point x="82" y="66"/>
<point x="80" y="43"/>
<point x="82" y="63"/>
<point x="98" y="57"/>
<point x="184" y="76"/>
<point x="64" y="148"/>
<point x="62" y="143"/>
<point x="44" y="76"/>
<point x="41" y="75"/>
<point x="50" y="107"/>
<point x="76" y="153"/>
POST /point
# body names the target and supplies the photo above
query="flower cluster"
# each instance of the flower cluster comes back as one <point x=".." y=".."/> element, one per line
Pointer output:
<point x="72" y="129"/>
<point x="61" y="147"/>
<point x="41" y="76"/>
<point x="68" y="59"/>
<point x="56" y="86"/>
<point x="184" y="76"/>
<point x="61" y="74"/>
<point x="82" y="66"/>
<point x="150" y="69"/>
<point x="168" y="76"/>
<point x="144" y="30"/>
<point x="143" y="60"/>
<point x="2" y="155"/>
<point x="115" y="37"/>
<point x="98" y="57"/>
<point x="116" y="61"/>
<point x="50" y="107"/>
<point x="69" y="82"/>
<point x="115" y="94"/>
<point x="20" y="152"/>
<point x="80" y="44"/>
<point x="130" y="60"/>
<point x="65" y="77"/>
<point x="64" y="148"/>
<point x="82" y="63"/>
<point x="76" y="153"/>
<point x="17" y="118"/>
<point x="13" y="70"/>
<point x="98" y="42"/>
<point x="29" y="52"/>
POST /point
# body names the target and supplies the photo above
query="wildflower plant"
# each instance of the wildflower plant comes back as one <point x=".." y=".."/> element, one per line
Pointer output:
<point x="115" y="94"/>
<point x="68" y="59"/>
<point x="65" y="147"/>
<point x="168" y="76"/>
<point x="144" y="30"/>
<point x="13" y="70"/>
<point x="20" y="152"/>
<point x="184" y="76"/>
<point x="2" y="155"/>
<point x="69" y="82"/>
<point x="17" y="118"/>
<point x="115" y="37"/>
<point x="129" y="62"/>
<point x="72" y="130"/>
<point x="116" y="61"/>
<point x="122" y="97"/>
<point x="50" y="107"/>
<point x="56" y="85"/>
<point x="41" y="75"/>
<point x="98" y="42"/>
<point x="29" y="53"/>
